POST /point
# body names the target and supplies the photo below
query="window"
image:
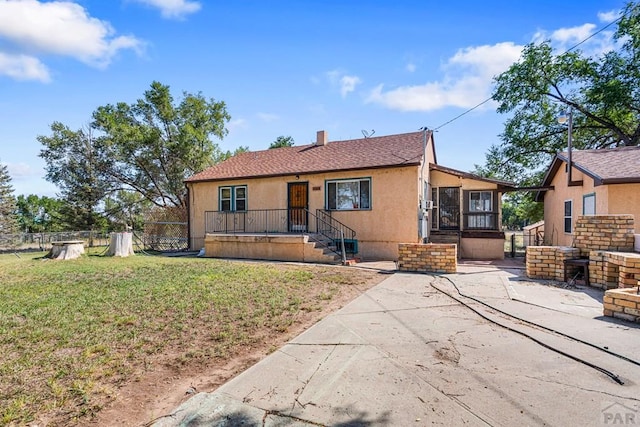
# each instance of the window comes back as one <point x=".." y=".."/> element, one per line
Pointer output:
<point x="351" y="194"/>
<point x="233" y="198"/>
<point x="481" y="213"/>
<point x="589" y="204"/>
<point x="480" y="201"/>
<point x="568" y="214"/>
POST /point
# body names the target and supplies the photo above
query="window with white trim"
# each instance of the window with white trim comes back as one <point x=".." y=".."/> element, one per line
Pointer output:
<point x="568" y="215"/>
<point x="481" y="210"/>
<point x="233" y="198"/>
<point x="589" y="204"/>
<point x="349" y="194"/>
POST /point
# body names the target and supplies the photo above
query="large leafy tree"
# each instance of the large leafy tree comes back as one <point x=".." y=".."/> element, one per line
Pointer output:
<point x="154" y="143"/>
<point x="40" y="213"/>
<point x="602" y="91"/>
<point x="75" y="165"/>
<point x="8" y="218"/>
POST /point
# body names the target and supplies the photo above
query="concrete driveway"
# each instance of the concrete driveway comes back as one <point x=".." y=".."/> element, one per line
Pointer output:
<point x="414" y="351"/>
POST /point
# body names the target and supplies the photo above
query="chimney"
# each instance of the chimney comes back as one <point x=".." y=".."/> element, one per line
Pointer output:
<point x="321" y="138"/>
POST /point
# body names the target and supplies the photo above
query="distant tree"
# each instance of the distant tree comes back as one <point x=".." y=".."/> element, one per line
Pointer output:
<point x="154" y="143"/>
<point x="76" y="166"/>
<point x="125" y="210"/>
<point x="602" y="91"/>
<point x="8" y="217"/>
<point x="282" y="141"/>
<point x="38" y="214"/>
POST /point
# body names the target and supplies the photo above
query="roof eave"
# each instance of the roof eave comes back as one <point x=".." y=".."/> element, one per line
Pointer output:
<point x="399" y="165"/>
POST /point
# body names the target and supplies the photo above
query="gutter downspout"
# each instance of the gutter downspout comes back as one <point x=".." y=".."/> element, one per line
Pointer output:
<point x="422" y="214"/>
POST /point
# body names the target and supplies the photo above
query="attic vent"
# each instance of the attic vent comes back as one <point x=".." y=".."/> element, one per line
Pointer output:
<point x="321" y="138"/>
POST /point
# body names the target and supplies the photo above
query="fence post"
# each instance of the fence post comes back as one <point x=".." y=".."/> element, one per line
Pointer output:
<point x="513" y="245"/>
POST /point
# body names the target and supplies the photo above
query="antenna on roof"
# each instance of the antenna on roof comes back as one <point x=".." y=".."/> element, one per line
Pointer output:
<point x="368" y="134"/>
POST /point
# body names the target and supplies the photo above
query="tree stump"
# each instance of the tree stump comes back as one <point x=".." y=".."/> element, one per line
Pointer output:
<point x="121" y="244"/>
<point x="70" y="249"/>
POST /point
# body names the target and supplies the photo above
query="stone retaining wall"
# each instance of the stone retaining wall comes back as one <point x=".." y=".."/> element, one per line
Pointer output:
<point x="623" y="304"/>
<point x="427" y="258"/>
<point x="547" y="262"/>
<point x="604" y="233"/>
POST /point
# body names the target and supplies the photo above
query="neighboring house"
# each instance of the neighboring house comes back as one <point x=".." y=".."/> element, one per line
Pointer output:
<point x="602" y="182"/>
<point x="375" y="191"/>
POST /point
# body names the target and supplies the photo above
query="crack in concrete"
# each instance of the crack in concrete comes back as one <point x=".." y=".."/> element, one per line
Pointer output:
<point x="582" y="388"/>
<point x="292" y="417"/>
<point x="299" y="391"/>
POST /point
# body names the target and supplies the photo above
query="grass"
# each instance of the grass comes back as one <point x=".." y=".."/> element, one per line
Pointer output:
<point x="72" y="332"/>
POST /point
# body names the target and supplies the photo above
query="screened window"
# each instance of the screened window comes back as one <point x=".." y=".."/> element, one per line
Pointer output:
<point x="589" y="204"/>
<point x="353" y="194"/>
<point x="233" y="198"/>
<point x="480" y="201"/>
<point x="481" y="210"/>
<point x="568" y="214"/>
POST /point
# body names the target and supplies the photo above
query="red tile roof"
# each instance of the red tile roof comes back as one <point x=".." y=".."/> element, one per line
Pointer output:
<point x="373" y="152"/>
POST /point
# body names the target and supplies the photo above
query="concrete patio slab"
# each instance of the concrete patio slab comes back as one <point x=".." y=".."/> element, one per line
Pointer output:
<point x="406" y="353"/>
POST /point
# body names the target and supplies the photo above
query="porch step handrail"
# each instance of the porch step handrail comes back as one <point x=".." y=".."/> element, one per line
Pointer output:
<point x="349" y="232"/>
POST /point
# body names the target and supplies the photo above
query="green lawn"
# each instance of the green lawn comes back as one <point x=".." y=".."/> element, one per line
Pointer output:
<point x="72" y="332"/>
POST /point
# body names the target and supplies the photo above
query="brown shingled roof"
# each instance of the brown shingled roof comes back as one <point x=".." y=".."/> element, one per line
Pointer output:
<point x="606" y="166"/>
<point x="374" y="152"/>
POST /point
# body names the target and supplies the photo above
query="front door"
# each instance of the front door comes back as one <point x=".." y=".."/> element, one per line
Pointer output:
<point x="297" y="205"/>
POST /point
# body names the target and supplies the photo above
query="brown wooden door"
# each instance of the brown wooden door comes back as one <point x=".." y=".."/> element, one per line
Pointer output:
<point x="297" y="205"/>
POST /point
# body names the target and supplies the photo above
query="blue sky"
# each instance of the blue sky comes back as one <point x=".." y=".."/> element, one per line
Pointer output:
<point x="282" y="67"/>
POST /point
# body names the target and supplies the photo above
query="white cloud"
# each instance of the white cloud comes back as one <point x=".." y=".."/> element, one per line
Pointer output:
<point x="348" y="84"/>
<point x="344" y="82"/>
<point x="20" y="170"/>
<point x="411" y="67"/>
<point x="466" y="83"/>
<point x="267" y="117"/>
<point x="590" y="44"/>
<point x="608" y="17"/>
<point x="566" y="36"/>
<point x="177" y="9"/>
<point x="32" y="28"/>
<point x="23" y="67"/>
<point x="236" y="124"/>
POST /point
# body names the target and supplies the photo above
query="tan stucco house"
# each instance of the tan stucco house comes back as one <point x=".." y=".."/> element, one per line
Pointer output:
<point x="373" y="192"/>
<point x="602" y="182"/>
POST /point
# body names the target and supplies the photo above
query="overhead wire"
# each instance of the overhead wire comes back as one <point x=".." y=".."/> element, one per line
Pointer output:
<point x="566" y="51"/>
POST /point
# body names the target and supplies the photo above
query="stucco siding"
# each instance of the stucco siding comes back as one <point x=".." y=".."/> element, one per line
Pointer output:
<point x="625" y="199"/>
<point x="610" y="199"/>
<point x="392" y="218"/>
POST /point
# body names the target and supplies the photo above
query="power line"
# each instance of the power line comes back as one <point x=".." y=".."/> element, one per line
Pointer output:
<point x="566" y="51"/>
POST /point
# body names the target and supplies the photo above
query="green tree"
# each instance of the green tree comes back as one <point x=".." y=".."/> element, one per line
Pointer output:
<point x="8" y="218"/>
<point x="76" y="166"/>
<point x="38" y="214"/>
<point x="125" y="210"/>
<point x="603" y="92"/>
<point x="154" y="143"/>
<point x="282" y="141"/>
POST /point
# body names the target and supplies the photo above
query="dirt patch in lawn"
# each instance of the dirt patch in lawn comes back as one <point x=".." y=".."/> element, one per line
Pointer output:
<point x="170" y="378"/>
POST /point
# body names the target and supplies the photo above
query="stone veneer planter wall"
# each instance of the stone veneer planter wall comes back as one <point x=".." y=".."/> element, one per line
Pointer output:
<point x="547" y="262"/>
<point x="623" y="304"/>
<point x="427" y="258"/>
